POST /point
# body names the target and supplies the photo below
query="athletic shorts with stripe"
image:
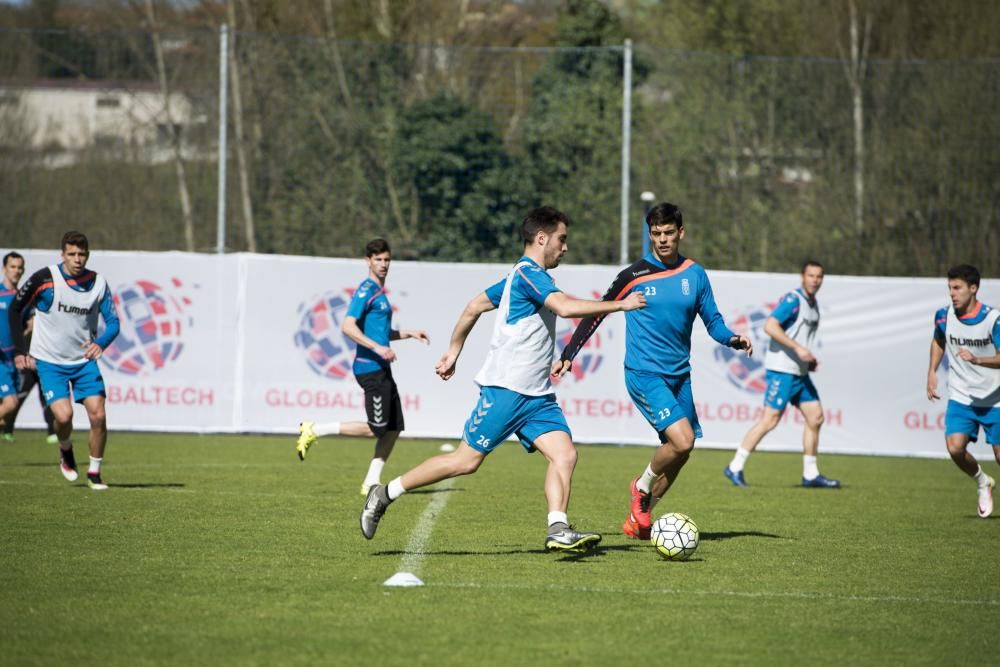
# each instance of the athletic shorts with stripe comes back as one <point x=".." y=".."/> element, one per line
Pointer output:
<point x="382" y="404"/>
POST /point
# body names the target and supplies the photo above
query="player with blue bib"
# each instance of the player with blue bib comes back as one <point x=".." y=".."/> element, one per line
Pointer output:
<point x="516" y="395"/>
<point x="658" y="353"/>
<point x="792" y="327"/>
<point x="13" y="269"/>
<point x="368" y="323"/>
<point x="969" y="333"/>
<point x="69" y="301"/>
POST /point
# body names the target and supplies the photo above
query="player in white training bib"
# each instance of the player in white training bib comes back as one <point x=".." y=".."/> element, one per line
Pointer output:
<point x="968" y="332"/>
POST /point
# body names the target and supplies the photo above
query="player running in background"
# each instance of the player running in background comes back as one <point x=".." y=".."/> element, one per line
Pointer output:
<point x="13" y="271"/>
<point x="516" y="395"/>
<point x="658" y="353"/>
<point x="369" y="324"/>
<point x="792" y="327"/>
<point x="969" y="333"/>
<point x="68" y="300"/>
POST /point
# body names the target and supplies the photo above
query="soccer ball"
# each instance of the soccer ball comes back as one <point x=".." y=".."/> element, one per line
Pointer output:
<point x="675" y="536"/>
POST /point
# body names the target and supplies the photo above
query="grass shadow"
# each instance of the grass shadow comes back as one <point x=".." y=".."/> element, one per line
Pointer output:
<point x="730" y="534"/>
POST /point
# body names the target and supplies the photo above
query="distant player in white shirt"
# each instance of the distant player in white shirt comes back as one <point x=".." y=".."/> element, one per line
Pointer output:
<point x="969" y="333"/>
<point x="516" y="396"/>
<point x="792" y="327"/>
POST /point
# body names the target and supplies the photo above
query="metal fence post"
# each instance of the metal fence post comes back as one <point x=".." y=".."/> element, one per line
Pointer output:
<point x="626" y="144"/>
<point x="220" y="244"/>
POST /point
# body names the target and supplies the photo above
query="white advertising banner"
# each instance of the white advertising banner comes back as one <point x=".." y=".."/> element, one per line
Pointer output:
<point x="252" y="343"/>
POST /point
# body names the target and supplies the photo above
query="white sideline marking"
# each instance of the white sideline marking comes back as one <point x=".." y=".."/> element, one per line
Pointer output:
<point x="413" y="559"/>
<point x="804" y="595"/>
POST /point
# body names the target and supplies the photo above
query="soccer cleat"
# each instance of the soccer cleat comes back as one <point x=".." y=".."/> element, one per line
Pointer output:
<point x="735" y="477"/>
<point x="67" y="464"/>
<point x="640" y="506"/>
<point x="306" y="439"/>
<point x="631" y="529"/>
<point x="820" y="482"/>
<point x="9" y="437"/>
<point x="985" y="507"/>
<point x="563" y="538"/>
<point x="52" y="439"/>
<point x="94" y="481"/>
<point x="365" y="488"/>
<point x="375" y="506"/>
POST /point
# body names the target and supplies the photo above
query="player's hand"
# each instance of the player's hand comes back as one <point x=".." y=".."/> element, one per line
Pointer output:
<point x="965" y="355"/>
<point x="633" y="301"/>
<point x="92" y="350"/>
<point x="560" y="367"/>
<point x="385" y="352"/>
<point x="445" y="366"/>
<point x="418" y="334"/>
<point x="24" y="362"/>
<point x="742" y="343"/>
<point x="813" y="365"/>
<point x="932" y="386"/>
<point x="805" y="355"/>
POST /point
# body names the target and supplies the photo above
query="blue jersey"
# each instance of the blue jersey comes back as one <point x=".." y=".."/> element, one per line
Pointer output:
<point x="6" y="341"/>
<point x="658" y="337"/>
<point x="37" y="294"/>
<point x="975" y="317"/>
<point x="788" y="308"/>
<point x="370" y="307"/>
<point x="529" y="288"/>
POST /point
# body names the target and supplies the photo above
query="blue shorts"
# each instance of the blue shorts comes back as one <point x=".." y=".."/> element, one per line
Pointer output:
<point x="10" y="379"/>
<point x="500" y="412"/>
<point x="56" y="380"/>
<point x="663" y="399"/>
<point x="959" y="418"/>
<point x="785" y="388"/>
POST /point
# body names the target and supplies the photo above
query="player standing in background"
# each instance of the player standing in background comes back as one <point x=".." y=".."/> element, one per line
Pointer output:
<point x="792" y="327"/>
<point x="969" y="332"/>
<point x="658" y="353"/>
<point x="516" y="394"/>
<point x="10" y="380"/>
<point x="369" y="324"/>
<point x="68" y="301"/>
<point x="13" y="271"/>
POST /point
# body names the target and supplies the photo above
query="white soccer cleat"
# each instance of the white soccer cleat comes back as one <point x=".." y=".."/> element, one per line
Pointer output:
<point x="985" y="507"/>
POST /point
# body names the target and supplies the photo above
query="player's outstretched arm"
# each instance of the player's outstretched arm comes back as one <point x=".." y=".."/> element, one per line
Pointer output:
<point x="445" y="366"/>
<point x="937" y="353"/>
<point x="415" y="334"/>
<point x="566" y="306"/>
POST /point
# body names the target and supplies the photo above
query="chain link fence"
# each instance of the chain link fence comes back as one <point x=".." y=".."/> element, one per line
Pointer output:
<point x="441" y="150"/>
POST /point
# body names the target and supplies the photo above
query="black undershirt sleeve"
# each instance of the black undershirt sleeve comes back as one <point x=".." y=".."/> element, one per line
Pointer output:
<point x="21" y="303"/>
<point x="588" y="325"/>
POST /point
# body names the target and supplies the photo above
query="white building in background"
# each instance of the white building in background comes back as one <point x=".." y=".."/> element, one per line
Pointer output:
<point x="58" y="116"/>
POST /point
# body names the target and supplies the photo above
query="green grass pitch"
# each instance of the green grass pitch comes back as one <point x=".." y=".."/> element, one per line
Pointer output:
<point x="213" y="550"/>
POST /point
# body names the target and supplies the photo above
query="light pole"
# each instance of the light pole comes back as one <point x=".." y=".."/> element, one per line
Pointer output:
<point x="647" y="198"/>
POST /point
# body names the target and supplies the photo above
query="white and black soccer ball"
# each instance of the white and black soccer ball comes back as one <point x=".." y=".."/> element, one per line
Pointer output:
<point x="675" y="536"/>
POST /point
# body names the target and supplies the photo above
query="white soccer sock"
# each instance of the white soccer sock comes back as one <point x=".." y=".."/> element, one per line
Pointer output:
<point x="333" y="428"/>
<point x="739" y="459"/>
<point x="374" y="472"/>
<point x="809" y="468"/>
<point x="395" y="488"/>
<point x="645" y="483"/>
<point x="558" y="517"/>
<point x="95" y="466"/>
<point x="982" y="479"/>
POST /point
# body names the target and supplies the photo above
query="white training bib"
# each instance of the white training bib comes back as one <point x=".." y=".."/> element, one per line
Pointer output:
<point x="967" y="384"/>
<point x="802" y="331"/>
<point x="61" y="334"/>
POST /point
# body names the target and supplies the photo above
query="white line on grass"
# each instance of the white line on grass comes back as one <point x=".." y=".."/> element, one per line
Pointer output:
<point x="413" y="559"/>
<point x="805" y="595"/>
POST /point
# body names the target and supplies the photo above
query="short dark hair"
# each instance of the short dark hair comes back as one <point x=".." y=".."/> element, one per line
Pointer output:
<point x="665" y="213"/>
<point x="966" y="272"/>
<point x="376" y="247"/>
<point x="542" y="219"/>
<point x="11" y="255"/>
<point x="811" y="262"/>
<point x="77" y="239"/>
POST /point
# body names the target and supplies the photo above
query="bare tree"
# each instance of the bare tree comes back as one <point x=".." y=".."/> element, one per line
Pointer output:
<point x="241" y="160"/>
<point x="855" y="67"/>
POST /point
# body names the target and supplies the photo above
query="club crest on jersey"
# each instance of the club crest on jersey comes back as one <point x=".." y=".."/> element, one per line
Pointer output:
<point x="685" y="287"/>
